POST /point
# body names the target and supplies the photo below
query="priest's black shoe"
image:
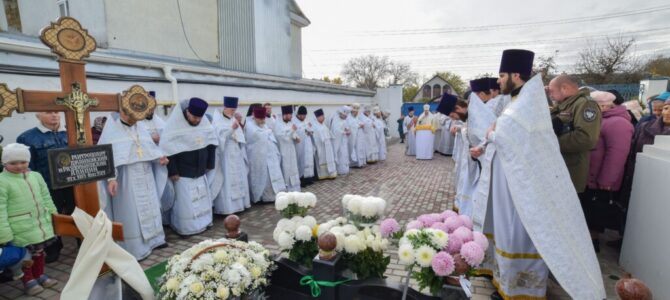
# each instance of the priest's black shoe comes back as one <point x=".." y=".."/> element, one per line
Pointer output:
<point x="163" y="246"/>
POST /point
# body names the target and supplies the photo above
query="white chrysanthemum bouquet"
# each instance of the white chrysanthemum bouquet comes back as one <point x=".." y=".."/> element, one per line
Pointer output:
<point x="294" y="203"/>
<point x="297" y="237"/>
<point x="362" y="249"/>
<point x="217" y="269"/>
<point x="363" y="211"/>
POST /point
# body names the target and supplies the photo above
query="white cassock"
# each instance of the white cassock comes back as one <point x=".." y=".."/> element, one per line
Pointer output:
<point x="155" y="126"/>
<point x="141" y="181"/>
<point x="410" y="147"/>
<point x="480" y="118"/>
<point x="305" y="149"/>
<point x="286" y="139"/>
<point x="372" y="150"/>
<point x="425" y="138"/>
<point x="265" y="174"/>
<point x="192" y="210"/>
<point x="538" y="223"/>
<point x="445" y="142"/>
<point x="380" y="137"/>
<point x="230" y="185"/>
<point x="339" y="128"/>
<point x="325" y="155"/>
<point x="357" y="142"/>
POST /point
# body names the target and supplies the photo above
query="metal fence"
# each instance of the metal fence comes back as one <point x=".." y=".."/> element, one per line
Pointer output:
<point x="627" y="91"/>
<point x="418" y="107"/>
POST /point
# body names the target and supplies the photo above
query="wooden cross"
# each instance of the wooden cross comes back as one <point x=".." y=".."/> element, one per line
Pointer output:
<point x="71" y="43"/>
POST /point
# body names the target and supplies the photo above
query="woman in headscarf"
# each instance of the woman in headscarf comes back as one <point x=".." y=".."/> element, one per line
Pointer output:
<point x="607" y="163"/>
<point x="645" y="133"/>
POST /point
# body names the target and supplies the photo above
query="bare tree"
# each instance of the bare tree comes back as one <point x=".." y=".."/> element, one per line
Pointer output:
<point x="366" y="71"/>
<point x="401" y="73"/>
<point x="545" y="65"/>
<point x="615" y="60"/>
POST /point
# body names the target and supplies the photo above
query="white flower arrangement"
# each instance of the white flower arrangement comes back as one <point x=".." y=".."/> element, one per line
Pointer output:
<point x="363" y="210"/>
<point x="291" y="204"/>
<point x="297" y="237"/>
<point x="363" y="249"/>
<point x="288" y="231"/>
<point x="216" y="269"/>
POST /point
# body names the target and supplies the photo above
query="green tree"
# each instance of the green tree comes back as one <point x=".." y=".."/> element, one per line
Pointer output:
<point x="658" y="66"/>
<point x="454" y="80"/>
<point x="337" y="80"/>
<point x="408" y="92"/>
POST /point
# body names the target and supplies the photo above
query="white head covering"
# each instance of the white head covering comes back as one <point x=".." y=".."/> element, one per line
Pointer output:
<point x="356" y="106"/>
<point x="603" y="97"/>
<point x="15" y="152"/>
<point x="426" y="107"/>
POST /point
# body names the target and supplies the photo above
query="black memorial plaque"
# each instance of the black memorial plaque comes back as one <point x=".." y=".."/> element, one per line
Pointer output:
<point x="71" y="166"/>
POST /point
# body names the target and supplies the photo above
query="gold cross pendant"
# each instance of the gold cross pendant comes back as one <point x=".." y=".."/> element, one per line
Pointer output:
<point x="198" y="140"/>
<point x="140" y="152"/>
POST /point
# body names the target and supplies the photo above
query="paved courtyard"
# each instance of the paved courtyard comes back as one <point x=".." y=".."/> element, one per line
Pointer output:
<point x="411" y="188"/>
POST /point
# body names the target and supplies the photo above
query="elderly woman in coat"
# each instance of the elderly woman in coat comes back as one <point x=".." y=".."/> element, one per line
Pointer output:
<point x="607" y="163"/>
<point x="645" y="133"/>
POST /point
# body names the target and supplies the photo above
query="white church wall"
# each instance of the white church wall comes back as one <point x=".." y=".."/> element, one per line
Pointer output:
<point x="390" y="99"/>
<point x="91" y="15"/>
<point x="273" y="37"/>
<point x="153" y="26"/>
<point x="34" y="17"/>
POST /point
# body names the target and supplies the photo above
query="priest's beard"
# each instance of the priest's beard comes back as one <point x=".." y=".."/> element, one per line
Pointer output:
<point x="508" y="87"/>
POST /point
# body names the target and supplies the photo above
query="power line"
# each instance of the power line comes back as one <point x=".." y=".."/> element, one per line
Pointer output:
<point x="481" y="45"/>
<point x="517" y="25"/>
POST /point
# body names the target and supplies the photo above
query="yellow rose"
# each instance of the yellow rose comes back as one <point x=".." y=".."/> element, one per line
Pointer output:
<point x="222" y="292"/>
<point x="197" y="288"/>
<point x="255" y="272"/>
<point x="172" y="284"/>
<point x="242" y="260"/>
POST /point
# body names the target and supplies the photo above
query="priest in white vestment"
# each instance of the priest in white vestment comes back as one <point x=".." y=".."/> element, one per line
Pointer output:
<point x="380" y="137"/>
<point x="409" y="123"/>
<point x="190" y="141"/>
<point x="133" y="196"/>
<point x="537" y="219"/>
<point x="372" y="148"/>
<point x="445" y="144"/>
<point x="270" y="118"/>
<point x="340" y="131"/>
<point x="287" y="137"/>
<point x="155" y="125"/>
<point x="358" y="139"/>
<point x="480" y="118"/>
<point x="230" y="185"/>
<point x="304" y="149"/>
<point x="323" y="143"/>
<point x="265" y="174"/>
<point x="425" y="136"/>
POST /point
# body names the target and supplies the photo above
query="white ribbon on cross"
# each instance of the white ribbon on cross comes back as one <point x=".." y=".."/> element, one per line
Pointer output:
<point x="97" y="248"/>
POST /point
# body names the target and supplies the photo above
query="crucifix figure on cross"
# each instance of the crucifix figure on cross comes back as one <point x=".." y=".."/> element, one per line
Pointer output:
<point x="72" y="43"/>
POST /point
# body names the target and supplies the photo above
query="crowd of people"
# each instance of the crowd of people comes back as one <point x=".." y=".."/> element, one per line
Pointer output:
<point x="178" y="172"/>
<point x="541" y="170"/>
<point x="535" y="178"/>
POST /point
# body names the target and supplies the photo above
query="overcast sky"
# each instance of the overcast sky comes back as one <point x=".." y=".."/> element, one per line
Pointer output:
<point x="467" y="37"/>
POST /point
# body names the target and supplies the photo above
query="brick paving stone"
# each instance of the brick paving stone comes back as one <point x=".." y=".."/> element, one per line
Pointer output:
<point x="411" y="187"/>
